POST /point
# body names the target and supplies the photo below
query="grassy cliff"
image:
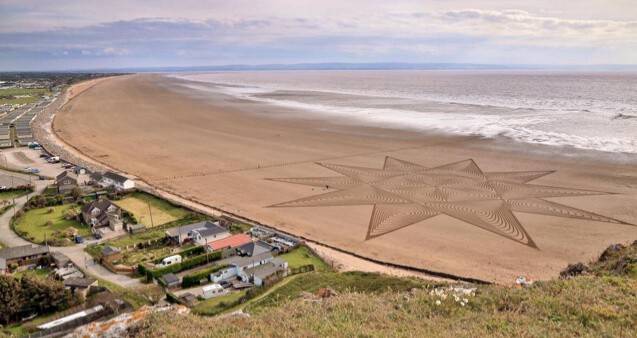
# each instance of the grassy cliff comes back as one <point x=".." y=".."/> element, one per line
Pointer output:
<point x="598" y="299"/>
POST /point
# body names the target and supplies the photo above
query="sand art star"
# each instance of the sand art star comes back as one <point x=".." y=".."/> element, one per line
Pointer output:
<point x="405" y="193"/>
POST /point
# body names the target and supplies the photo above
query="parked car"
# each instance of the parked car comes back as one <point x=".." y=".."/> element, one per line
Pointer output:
<point x="26" y="170"/>
<point x="67" y="166"/>
<point x="45" y="155"/>
<point x="42" y="178"/>
<point x="35" y="171"/>
<point x="225" y="284"/>
<point x="98" y="234"/>
<point x="79" y="239"/>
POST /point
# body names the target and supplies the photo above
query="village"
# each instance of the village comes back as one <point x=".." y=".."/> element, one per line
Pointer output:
<point x="107" y="247"/>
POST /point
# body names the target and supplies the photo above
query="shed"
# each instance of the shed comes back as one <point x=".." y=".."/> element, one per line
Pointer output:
<point x="170" y="279"/>
<point x="110" y="253"/>
<point x="136" y="228"/>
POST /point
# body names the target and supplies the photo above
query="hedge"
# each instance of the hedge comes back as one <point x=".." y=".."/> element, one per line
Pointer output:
<point x="193" y="279"/>
<point x="171" y="298"/>
<point x="178" y="267"/>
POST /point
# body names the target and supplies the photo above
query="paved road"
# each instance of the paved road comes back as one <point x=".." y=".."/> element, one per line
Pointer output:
<point x="76" y="253"/>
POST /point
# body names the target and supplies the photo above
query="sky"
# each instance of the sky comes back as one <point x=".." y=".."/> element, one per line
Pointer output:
<point x="64" y="34"/>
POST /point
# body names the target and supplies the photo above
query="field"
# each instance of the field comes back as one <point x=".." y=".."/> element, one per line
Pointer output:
<point x="33" y="226"/>
<point x="13" y="96"/>
<point x="162" y="211"/>
<point x="302" y="256"/>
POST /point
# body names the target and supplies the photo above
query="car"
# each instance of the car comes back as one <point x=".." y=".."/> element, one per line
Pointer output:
<point x="67" y="166"/>
<point x="98" y="235"/>
<point x="35" y="171"/>
<point x="45" y="155"/>
<point x="3" y="187"/>
<point x="225" y="284"/>
<point x="79" y="239"/>
<point x="42" y="178"/>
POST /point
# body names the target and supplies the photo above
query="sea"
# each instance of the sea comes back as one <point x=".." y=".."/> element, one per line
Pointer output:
<point x="584" y="110"/>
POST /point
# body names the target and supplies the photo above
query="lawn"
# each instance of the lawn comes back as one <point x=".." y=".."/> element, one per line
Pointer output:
<point x="8" y="96"/>
<point x="162" y="211"/>
<point x="33" y="226"/>
<point x="217" y="305"/>
<point x="39" y="273"/>
<point x="7" y="195"/>
<point x="302" y="256"/>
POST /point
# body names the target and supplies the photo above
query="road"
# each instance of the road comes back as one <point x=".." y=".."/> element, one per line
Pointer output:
<point x="75" y="253"/>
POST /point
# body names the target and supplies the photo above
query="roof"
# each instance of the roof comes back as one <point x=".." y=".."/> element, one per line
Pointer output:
<point x="263" y="271"/>
<point x="109" y="250"/>
<point x="213" y="286"/>
<point x="170" y="278"/>
<point x="3" y="264"/>
<point x="184" y="230"/>
<point x="116" y="177"/>
<point x="255" y="248"/>
<point x="61" y="260"/>
<point x="64" y="174"/>
<point x="233" y="241"/>
<point x="79" y="282"/>
<point x="96" y="176"/>
<point x="23" y="251"/>
<point x="137" y="226"/>
<point x="100" y="203"/>
<point x="242" y="261"/>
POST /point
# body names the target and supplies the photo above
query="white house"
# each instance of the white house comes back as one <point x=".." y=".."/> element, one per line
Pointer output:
<point x="201" y="232"/>
<point x="253" y="255"/>
<point x="116" y="181"/>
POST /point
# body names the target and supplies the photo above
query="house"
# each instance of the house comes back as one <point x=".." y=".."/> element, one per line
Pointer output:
<point x="80" y="286"/>
<point x="259" y="274"/>
<point x="66" y="182"/>
<point x="110" y="254"/>
<point x="248" y="256"/>
<point x="22" y="255"/>
<point x="231" y="242"/>
<point x="102" y="212"/>
<point x="116" y="181"/>
<point x="201" y="232"/>
<point x="136" y="228"/>
<point x="95" y="178"/>
<point x="170" y="279"/>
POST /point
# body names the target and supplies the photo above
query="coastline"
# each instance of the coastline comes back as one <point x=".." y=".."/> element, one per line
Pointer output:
<point x="405" y="145"/>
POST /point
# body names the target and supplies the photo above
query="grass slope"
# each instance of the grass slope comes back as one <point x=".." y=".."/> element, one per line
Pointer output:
<point x="599" y="303"/>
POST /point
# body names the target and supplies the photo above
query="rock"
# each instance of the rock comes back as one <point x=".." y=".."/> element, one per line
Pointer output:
<point x="573" y="270"/>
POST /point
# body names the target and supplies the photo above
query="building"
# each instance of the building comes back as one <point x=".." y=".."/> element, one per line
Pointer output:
<point x="231" y="242"/>
<point x="170" y="279"/>
<point x="61" y="260"/>
<point x="110" y="254"/>
<point x="258" y="275"/>
<point x="22" y="255"/>
<point x="102" y="212"/>
<point x="136" y="228"/>
<point x="95" y="178"/>
<point x="79" y="286"/>
<point x="248" y="256"/>
<point x="66" y="182"/>
<point x="201" y="232"/>
<point x="116" y="181"/>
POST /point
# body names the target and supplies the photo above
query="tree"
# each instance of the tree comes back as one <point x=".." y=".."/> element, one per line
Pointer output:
<point x="76" y="193"/>
<point x="10" y="298"/>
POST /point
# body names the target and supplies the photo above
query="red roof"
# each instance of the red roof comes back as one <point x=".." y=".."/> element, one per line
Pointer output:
<point x="233" y="241"/>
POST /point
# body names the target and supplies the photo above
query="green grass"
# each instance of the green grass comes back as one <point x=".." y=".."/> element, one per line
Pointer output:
<point x="9" y="195"/>
<point x="217" y="305"/>
<point x="19" y="330"/>
<point x="33" y="225"/>
<point x="302" y="256"/>
<point x="7" y="96"/>
<point x="41" y="273"/>
<point x="162" y="211"/>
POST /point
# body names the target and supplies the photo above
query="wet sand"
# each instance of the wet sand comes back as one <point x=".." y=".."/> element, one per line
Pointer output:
<point x="221" y="151"/>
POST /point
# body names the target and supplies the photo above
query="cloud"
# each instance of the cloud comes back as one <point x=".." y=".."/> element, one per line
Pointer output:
<point x="450" y="35"/>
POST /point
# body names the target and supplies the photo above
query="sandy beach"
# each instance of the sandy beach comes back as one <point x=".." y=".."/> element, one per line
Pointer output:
<point x="245" y="158"/>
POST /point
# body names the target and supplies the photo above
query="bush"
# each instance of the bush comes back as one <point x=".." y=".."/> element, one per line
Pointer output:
<point x="184" y="265"/>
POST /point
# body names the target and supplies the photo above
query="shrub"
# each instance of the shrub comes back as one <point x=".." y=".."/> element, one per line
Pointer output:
<point x="50" y="210"/>
<point x="193" y="279"/>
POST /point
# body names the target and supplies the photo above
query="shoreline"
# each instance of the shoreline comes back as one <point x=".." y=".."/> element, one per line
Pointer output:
<point x="253" y="173"/>
<point x="342" y="260"/>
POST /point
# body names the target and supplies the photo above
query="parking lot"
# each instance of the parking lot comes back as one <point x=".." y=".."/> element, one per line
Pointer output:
<point x="23" y="157"/>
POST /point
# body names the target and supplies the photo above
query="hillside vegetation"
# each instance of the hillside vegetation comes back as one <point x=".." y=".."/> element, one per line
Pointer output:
<point x="598" y="299"/>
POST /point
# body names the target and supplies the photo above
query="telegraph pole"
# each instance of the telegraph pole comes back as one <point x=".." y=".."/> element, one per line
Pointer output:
<point x="150" y="211"/>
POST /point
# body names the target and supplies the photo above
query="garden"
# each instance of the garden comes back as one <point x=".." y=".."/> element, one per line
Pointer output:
<point x="150" y="210"/>
<point x="57" y="224"/>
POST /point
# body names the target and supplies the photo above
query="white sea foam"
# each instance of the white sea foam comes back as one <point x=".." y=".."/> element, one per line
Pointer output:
<point x="585" y="119"/>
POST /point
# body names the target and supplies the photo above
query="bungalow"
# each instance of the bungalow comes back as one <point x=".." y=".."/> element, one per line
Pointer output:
<point x="259" y="274"/>
<point x="95" y="178"/>
<point x="229" y="244"/>
<point x="66" y="182"/>
<point x="102" y="212"/>
<point x="116" y="181"/>
<point x="22" y="255"/>
<point x="201" y="232"/>
<point x="249" y="256"/>
<point x="80" y="286"/>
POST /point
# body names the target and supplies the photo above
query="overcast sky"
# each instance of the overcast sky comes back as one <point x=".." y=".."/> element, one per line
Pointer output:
<point x="63" y="34"/>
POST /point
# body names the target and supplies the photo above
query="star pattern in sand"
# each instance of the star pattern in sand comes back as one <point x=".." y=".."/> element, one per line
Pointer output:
<point x="405" y="193"/>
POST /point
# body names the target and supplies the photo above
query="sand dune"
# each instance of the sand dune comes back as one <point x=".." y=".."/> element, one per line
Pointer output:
<point x="441" y="203"/>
